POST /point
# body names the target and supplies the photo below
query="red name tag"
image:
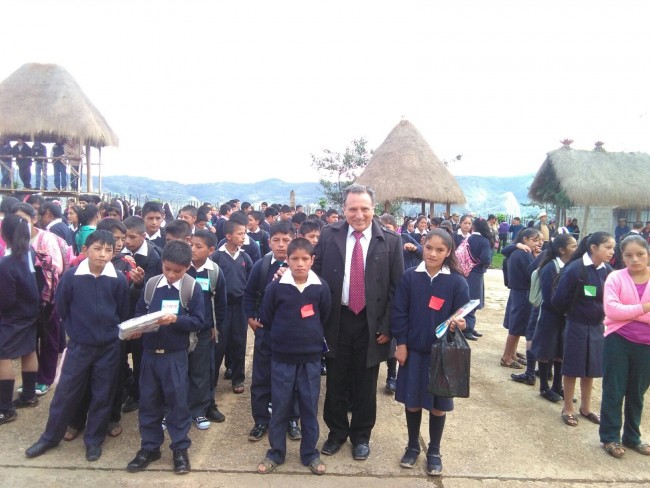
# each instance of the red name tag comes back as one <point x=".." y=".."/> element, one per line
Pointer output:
<point x="436" y="303"/>
<point x="307" y="311"/>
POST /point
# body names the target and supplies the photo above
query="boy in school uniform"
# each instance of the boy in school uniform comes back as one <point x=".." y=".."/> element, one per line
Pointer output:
<point x="147" y="258"/>
<point x="293" y="312"/>
<point x="224" y="215"/>
<point x="256" y="233"/>
<point x="178" y="230"/>
<point x="93" y="349"/>
<point x="201" y="400"/>
<point x="153" y="215"/>
<point x="270" y="216"/>
<point x="249" y="246"/>
<point x="236" y="266"/>
<point x="310" y="230"/>
<point x="261" y="275"/>
<point x="189" y="213"/>
<point x="164" y="375"/>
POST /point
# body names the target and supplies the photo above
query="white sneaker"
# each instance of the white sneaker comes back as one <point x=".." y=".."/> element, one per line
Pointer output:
<point x="201" y="423"/>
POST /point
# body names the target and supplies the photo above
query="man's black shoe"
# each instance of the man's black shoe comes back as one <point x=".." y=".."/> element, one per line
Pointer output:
<point x="257" y="432"/>
<point x="142" y="460"/>
<point x="360" y="452"/>
<point x="93" y="453"/>
<point x="214" y="415"/>
<point x="228" y="374"/>
<point x="470" y="337"/>
<point x="130" y="404"/>
<point x="39" y="448"/>
<point x="331" y="447"/>
<point x="181" y="461"/>
<point x="477" y="333"/>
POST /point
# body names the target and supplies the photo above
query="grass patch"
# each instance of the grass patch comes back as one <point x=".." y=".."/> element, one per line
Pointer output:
<point x="497" y="260"/>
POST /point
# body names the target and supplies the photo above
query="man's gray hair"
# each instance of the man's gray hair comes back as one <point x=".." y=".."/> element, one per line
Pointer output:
<point x="358" y="189"/>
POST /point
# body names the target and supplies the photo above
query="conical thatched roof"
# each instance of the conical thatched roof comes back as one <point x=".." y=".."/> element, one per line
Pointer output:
<point x="43" y="101"/>
<point x="570" y="177"/>
<point x="405" y="168"/>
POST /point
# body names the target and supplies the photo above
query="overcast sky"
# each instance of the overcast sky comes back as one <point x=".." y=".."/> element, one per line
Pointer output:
<point x="201" y="91"/>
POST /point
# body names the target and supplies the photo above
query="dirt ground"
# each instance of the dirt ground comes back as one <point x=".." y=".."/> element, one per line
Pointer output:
<point x="505" y="434"/>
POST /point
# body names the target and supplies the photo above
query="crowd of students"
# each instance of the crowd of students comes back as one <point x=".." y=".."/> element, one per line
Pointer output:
<point x="216" y="272"/>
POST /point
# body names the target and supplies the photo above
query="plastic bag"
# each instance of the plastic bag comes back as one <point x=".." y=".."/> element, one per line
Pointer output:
<point x="450" y="366"/>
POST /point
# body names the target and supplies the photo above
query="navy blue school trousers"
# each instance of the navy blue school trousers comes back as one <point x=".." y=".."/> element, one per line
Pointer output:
<point x="200" y="364"/>
<point x="84" y="365"/>
<point x="232" y="338"/>
<point x="305" y="379"/>
<point x="261" y="381"/>
<point x="163" y="393"/>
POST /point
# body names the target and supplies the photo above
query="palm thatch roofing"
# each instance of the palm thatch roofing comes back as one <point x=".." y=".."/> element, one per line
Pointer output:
<point x="42" y="101"/>
<point x="405" y="168"/>
<point x="570" y="177"/>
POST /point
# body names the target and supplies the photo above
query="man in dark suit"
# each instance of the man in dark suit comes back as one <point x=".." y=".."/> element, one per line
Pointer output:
<point x="362" y="263"/>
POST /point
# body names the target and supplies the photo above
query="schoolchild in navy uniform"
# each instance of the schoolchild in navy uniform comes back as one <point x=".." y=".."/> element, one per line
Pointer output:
<point x="189" y="213"/>
<point x="270" y="216"/>
<point x="479" y="246"/>
<point x="261" y="275"/>
<point x="147" y="258"/>
<point x="19" y="307"/>
<point x="426" y="296"/>
<point x="250" y="246"/>
<point x="93" y="350"/>
<point x="224" y="215"/>
<point x="256" y="233"/>
<point x="51" y="218"/>
<point x="518" y="308"/>
<point x="164" y="376"/>
<point x="547" y="343"/>
<point x="152" y="214"/>
<point x="293" y="312"/>
<point x="178" y="230"/>
<point x="421" y="228"/>
<point x="310" y="230"/>
<point x="236" y="266"/>
<point x="202" y="399"/>
<point x="579" y="295"/>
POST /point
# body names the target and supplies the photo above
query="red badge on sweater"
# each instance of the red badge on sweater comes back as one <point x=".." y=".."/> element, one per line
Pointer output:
<point x="436" y="303"/>
<point x="307" y="311"/>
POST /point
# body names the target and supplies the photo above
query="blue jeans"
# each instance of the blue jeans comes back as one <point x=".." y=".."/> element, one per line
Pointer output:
<point x="41" y="169"/>
<point x="60" y="176"/>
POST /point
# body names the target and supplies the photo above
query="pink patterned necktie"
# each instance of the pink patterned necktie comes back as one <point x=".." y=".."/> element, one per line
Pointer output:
<point x="357" y="292"/>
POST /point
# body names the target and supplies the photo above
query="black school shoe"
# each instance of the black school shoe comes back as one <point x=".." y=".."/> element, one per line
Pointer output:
<point x="130" y="405"/>
<point x="434" y="464"/>
<point x="410" y="457"/>
<point x="391" y="385"/>
<point x="142" y="460"/>
<point x="550" y="395"/>
<point x="7" y="416"/>
<point x="477" y="333"/>
<point x="228" y="374"/>
<point x="93" y="453"/>
<point x="181" y="461"/>
<point x="524" y="378"/>
<point x="257" y="432"/>
<point x="293" y="431"/>
<point x="22" y="402"/>
<point x="214" y="415"/>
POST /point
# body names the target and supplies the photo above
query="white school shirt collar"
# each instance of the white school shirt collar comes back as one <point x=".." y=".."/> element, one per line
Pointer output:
<point x="143" y="251"/>
<point x="312" y="279"/>
<point x="84" y="269"/>
<point x="164" y="282"/>
<point x="559" y="262"/>
<point x="207" y="265"/>
<point x="247" y="240"/>
<point x="422" y="268"/>
<point x="223" y="248"/>
<point x="156" y="235"/>
<point x="586" y="260"/>
<point x="53" y="223"/>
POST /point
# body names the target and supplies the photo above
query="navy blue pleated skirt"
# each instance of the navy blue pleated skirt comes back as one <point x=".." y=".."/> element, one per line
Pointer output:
<point x="532" y="323"/>
<point x="548" y="340"/>
<point x="517" y="313"/>
<point x="413" y="385"/>
<point x="583" y="350"/>
<point x="476" y="286"/>
<point x="17" y="340"/>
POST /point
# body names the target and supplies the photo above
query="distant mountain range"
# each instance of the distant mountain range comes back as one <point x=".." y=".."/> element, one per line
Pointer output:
<point x="484" y="195"/>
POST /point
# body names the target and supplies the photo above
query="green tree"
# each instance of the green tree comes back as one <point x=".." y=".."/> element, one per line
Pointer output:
<point x="338" y="170"/>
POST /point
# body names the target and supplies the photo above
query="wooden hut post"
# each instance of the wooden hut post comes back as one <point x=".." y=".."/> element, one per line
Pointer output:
<point x="89" y="178"/>
<point x="387" y="207"/>
<point x="431" y="209"/>
<point x="424" y="208"/>
<point x="99" y="170"/>
<point x="584" y="221"/>
<point x="448" y="211"/>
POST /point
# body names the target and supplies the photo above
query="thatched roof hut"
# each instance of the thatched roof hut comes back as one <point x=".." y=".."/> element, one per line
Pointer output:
<point x="570" y="177"/>
<point x="404" y="167"/>
<point x="43" y="101"/>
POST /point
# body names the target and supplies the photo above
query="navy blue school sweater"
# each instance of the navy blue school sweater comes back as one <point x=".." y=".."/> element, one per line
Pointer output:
<point x="480" y="248"/>
<point x="411" y="258"/>
<point x="173" y="337"/>
<point x="218" y="301"/>
<point x="262" y="239"/>
<point x="19" y="298"/>
<point x="422" y="303"/>
<point x="251" y="248"/>
<point x="518" y="274"/>
<point x="296" y="319"/>
<point x="236" y="271"/>
<point x="92" y="307"/>
<point x="571" y="289"/>
<point x="254" y="292"/>
<point x="547" y="276"/>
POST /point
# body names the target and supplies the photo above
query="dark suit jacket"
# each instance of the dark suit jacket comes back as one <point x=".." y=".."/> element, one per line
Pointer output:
<point x="384" y="269"/>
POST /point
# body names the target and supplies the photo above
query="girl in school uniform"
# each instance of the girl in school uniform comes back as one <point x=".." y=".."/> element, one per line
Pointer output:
<point x="547" y="343"/>
<point x="626" y="357"/>
<point x="518" y="307"/>
<point x="426" y="296"/>
<point x="464" y="229"/>
<point x="19" y="302"/>
<point x="421" y="229"/>
<point x="579" y="295"/>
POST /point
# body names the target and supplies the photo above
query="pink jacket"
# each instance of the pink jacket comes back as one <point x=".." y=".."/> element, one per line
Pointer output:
<point x="622" y="303"/>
